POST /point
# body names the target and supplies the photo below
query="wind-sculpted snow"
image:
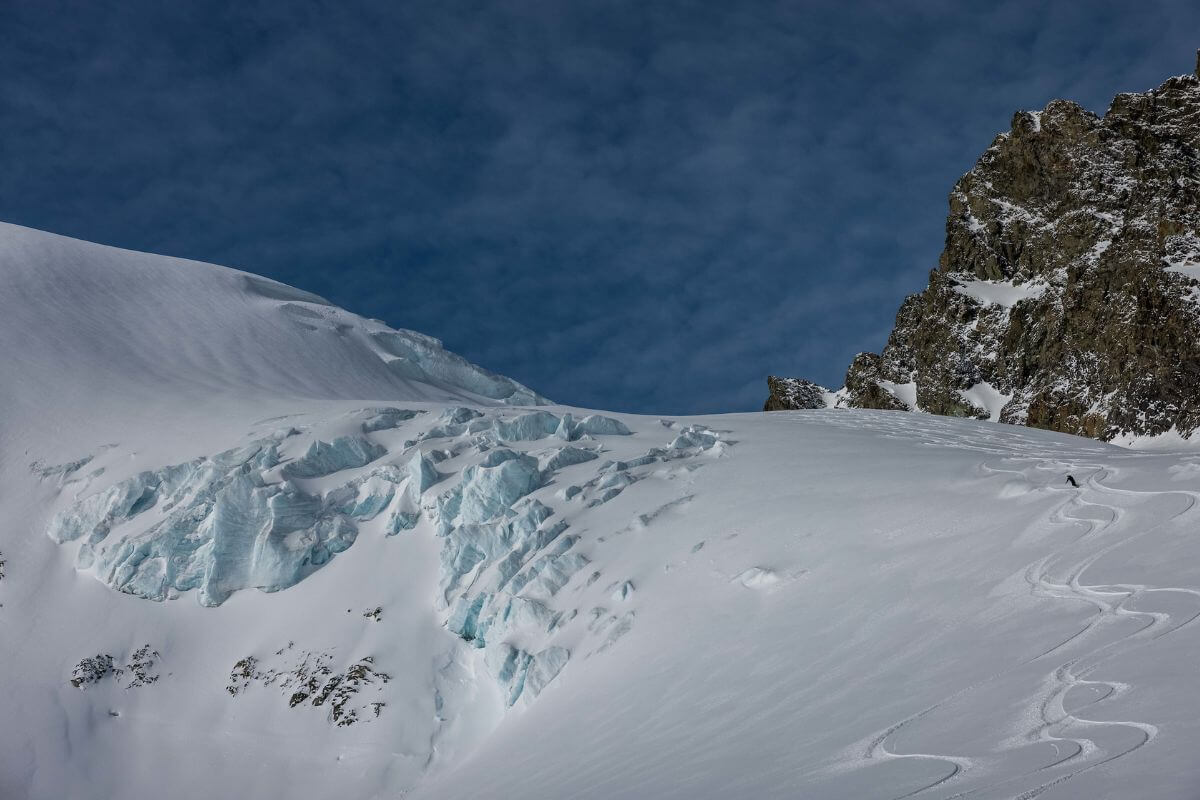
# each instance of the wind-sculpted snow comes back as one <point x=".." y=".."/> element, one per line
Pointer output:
<point x="419" y="357"/>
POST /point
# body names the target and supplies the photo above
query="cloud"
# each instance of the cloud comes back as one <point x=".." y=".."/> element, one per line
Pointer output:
<point x="639" y="206"/>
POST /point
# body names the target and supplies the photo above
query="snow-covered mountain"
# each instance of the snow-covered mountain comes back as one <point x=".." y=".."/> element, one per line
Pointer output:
<point x="252" y="545"/>
<point x="85" y="323"/>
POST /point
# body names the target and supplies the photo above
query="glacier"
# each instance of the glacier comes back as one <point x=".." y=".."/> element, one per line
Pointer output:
<point x="240" y="519"/>
<point x="225" y="482"/>
<point x="326" y="458"/>
<point x="213" y="524"/>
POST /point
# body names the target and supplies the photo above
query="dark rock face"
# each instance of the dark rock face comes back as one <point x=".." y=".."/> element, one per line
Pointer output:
<point x="787" y="394"/>
<point x="1067" y="291"/>
<point x="865" y="387"/>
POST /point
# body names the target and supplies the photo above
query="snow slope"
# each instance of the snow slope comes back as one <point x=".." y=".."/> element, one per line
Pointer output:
<point x="84" y="323"/>
<point x="246" y="558"/>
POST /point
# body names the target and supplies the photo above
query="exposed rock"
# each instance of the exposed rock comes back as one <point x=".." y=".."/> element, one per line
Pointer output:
<point x="864" y="386"/>
<point x="309" y="677"/>
<point x="92" y="669"/>
<point x="140" y="669"/>
<point x="787" y="394"/>
<point x="1067" y="295"/>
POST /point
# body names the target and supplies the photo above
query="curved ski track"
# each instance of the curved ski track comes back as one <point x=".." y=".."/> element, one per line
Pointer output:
<point x="1085" y="743"/>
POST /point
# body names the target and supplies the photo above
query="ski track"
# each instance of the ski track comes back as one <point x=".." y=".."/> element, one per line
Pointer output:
<point x="1087" y="743"/>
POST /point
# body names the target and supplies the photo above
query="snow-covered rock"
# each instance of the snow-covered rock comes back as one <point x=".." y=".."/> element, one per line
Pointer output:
<point x="1068" y="283"/>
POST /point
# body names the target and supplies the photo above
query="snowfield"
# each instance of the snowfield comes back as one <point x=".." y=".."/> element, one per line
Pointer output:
<point x="252" y="545"/>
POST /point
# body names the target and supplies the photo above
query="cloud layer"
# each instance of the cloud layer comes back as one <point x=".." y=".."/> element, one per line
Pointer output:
<point x="628" y="205"/>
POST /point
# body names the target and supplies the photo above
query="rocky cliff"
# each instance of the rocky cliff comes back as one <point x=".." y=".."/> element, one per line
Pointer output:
<point x="794" y="393"/>
<point x="1067" y="295"/>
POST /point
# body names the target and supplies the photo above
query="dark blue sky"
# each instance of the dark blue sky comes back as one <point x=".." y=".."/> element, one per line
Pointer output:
<point x="642" y="206"/>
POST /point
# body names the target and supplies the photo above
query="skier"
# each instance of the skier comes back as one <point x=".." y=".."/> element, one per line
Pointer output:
<point x="1071" y="481"/>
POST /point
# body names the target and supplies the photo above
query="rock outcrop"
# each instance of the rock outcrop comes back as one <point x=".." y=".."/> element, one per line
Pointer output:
<point x="794" y="393"/>
<point x="1067" y="295"/>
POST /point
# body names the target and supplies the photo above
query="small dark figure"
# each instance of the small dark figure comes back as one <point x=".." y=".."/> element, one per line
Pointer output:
<point x="1071" y="481"/>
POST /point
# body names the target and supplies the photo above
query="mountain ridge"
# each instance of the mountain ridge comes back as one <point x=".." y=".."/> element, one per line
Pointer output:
<point x="125" y="322"/>
<point x="1066" y="295"/>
